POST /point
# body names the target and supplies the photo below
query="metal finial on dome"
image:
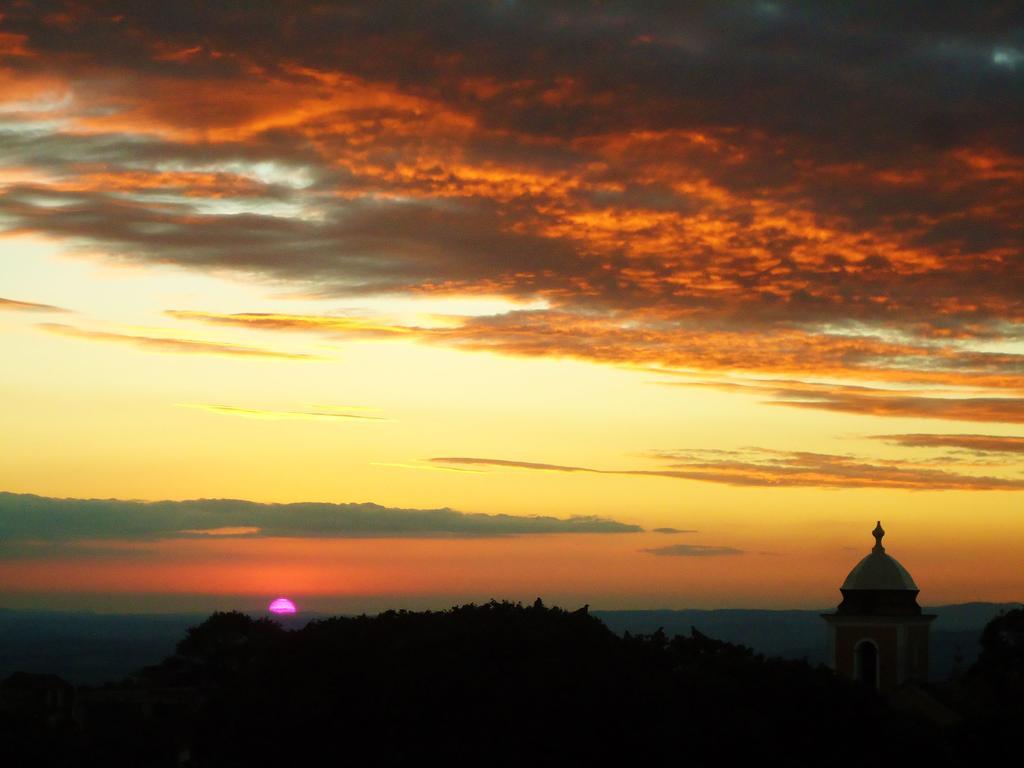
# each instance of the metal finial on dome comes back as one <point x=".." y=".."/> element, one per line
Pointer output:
<point x="878" y="533"/>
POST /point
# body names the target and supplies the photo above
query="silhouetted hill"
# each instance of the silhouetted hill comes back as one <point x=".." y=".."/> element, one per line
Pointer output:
<point x="499" y="684"/>
<point x="503" y="684"/>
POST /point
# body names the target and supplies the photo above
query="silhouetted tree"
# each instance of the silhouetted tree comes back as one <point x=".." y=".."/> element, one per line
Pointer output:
<point x="1001" y="660"/>
<point x="991" y="694"/>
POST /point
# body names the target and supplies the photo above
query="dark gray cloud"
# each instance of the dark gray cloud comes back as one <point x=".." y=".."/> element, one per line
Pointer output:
<point x="797" y="68"/>
<point x="26" y="517"/>
<point x="366" y="245"/>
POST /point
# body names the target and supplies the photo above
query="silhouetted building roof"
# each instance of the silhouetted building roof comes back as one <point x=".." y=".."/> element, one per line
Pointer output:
<point x="879" y="570"/>
<point x="879" y="586"/>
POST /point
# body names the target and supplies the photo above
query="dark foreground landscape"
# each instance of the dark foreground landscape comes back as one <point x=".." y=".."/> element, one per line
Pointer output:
<point x="504" y="684"/>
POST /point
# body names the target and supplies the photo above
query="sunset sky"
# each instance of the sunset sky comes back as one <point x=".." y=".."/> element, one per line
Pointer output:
<point x="628" y="304"/>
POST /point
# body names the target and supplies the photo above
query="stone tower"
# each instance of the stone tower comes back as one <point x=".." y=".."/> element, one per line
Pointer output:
<point x="878" y="635"/>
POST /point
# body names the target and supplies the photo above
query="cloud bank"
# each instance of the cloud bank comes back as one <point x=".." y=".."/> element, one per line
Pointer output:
<point x="25" y="517"/>
<point x="756" y="187"/>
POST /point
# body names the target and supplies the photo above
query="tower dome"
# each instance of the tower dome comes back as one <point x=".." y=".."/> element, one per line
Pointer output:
<point x="879" y="570"/>
<point x="879" y="585"/>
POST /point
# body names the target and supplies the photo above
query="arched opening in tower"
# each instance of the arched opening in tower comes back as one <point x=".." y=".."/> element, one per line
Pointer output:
<point x="866" y="664"/>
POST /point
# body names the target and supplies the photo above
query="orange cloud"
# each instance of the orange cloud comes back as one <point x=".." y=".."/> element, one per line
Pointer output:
<point x="13" y="45"/>
<point x="974" y="443"/>
<point x="204" y="184"/>
<point x="1007" y="410"/>
<point x="873" y="401"/>
<point x="282" y="322"/>
<point x="621" y="340"/>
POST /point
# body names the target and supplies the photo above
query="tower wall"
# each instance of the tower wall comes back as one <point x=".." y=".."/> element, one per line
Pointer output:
<point x="902" y="647"/>
<point x="886" y="640"/>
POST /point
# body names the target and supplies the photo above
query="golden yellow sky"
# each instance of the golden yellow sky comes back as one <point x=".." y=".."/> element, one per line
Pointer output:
<point x="283" y="273"/>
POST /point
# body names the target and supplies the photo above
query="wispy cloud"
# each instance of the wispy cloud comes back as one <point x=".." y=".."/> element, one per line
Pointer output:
<point x="760" y="467"/>
<point x="226" y="530"/>
<point x="693" y="550"/>
<point x="37" y="518"/>
<point x="975" y="443"/>
<point x="757" y="467"/>
<point x="875" y="401"/>
<point x="640" y="340"/>
<point x="673" y="530"/>
<point x="422" y="467"/>
<point x="513" y="464"/>
<point x="328" y="413"/>
<point x="1005" y="410"/>
<point x="172" y="344"/>
<point x="283" y="322"/>
<point x="28" y="306"/>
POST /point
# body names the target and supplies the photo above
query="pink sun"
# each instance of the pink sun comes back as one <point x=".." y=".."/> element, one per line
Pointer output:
<point x="282" y="605"/>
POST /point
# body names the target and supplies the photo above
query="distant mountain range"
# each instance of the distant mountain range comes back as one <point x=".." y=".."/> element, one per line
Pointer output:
<point x="801" y="634"/>
<point x="88" y="648"/>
